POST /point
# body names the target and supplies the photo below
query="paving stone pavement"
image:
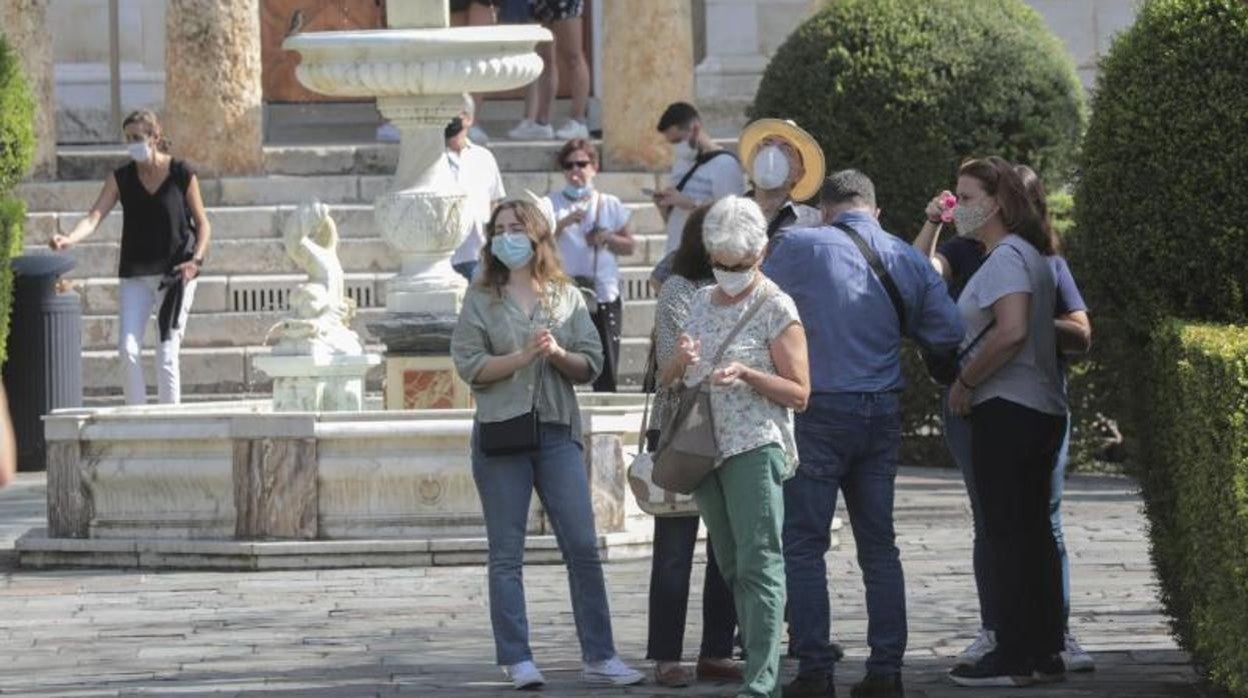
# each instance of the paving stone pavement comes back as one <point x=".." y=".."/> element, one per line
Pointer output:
<point x="366" y="632"/>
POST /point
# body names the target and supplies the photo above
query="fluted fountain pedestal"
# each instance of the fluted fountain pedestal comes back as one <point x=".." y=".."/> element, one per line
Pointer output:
<point x="418" y="76"/>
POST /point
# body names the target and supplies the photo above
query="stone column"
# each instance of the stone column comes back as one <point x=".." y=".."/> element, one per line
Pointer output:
<point x="649" y="44"/>
<point x="213" y="106"/>
<point x="24" y="24"/>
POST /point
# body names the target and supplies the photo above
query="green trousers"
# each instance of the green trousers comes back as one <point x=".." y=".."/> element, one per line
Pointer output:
<point x="742" y="503"/>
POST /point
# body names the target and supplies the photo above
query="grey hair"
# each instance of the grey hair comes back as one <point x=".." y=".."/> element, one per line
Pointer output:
<point x="847" y="186"/>
<point x="735" y="225"/>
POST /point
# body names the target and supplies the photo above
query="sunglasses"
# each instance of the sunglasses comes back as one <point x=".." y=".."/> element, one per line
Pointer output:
<point x="578" y="164"/>
<point x="744" y="266"/>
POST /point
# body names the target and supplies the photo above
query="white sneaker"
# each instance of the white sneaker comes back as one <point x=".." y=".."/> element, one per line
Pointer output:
<point x="478" y="135"/>
<point x="572" y="129"/>
<point x="1075" y="657"/>
<point x="525" y="676"/>
<point x="612" y="672"/>
<point x="530" y="130"/>
<point x="984" y="643"/>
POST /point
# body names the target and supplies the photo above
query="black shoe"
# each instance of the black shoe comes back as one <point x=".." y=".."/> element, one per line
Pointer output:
<point x="992" y="670"/>
<point x="1049" y="670"/>
<point x="838" y="652"/>
<point x="810" y="686"/>
<point x="879" y="686"/>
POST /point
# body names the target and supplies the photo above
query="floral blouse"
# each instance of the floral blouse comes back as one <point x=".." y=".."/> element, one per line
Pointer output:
<point x="744" y="419"/>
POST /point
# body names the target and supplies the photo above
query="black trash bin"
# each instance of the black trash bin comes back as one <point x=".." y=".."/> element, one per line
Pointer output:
<point x="44" y="368"/>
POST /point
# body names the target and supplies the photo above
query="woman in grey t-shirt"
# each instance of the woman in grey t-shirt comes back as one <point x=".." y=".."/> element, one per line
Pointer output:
<point x="1010" y="388"/>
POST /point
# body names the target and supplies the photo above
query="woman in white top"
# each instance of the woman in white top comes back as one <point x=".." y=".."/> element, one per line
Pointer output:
<point x="592" y="230"/>
<point x="764" y="375"/>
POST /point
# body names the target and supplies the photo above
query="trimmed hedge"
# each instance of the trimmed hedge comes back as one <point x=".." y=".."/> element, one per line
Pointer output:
<point x="17" y="120"/>
<point x="1194" y="474"/>
<point x="905" y="91"/>
<point x="12" y="215"/>
<point x="1161" y="199"/>
<point x="17" y="151"/>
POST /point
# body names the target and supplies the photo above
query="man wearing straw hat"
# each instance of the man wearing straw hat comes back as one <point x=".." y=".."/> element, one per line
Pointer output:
<point x="786" y="167"/>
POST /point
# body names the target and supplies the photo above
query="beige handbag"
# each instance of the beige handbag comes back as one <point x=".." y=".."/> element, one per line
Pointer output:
<point x="688" y="450"/>
<point x="653" y="499"/>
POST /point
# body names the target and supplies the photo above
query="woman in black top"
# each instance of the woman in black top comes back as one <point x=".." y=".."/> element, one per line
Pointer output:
<point x="164" y="237"/>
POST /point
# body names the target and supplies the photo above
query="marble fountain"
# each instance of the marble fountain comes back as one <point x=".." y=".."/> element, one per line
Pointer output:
<point x="318" y="476"/>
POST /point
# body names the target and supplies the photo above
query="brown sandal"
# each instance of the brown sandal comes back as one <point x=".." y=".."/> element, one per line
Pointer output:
<point x="671" y="676"/>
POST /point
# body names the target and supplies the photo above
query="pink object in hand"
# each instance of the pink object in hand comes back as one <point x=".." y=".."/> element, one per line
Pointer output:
<point x="949" y="202"/>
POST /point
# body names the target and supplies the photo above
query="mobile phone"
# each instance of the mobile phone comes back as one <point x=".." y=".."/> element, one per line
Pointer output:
<point x="648" y="191"/>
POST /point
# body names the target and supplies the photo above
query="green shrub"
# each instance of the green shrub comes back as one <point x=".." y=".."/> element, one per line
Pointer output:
<point x="907" y="90"/>
<point x="17" y="118"/>
<point x="1194" y="474"/>
<point x="12" y="215"/>
<point x="1161" y="199"/>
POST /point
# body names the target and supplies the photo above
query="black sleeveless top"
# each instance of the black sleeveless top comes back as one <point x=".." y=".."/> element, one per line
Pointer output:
<point x="156" y="232"/>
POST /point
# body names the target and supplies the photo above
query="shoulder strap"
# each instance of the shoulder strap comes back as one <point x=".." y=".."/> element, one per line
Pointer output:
<point x="699" y="162"/>
<point x="758" y="304"/>
<point x="877" y="266"/>
<point x="784" y="217"/>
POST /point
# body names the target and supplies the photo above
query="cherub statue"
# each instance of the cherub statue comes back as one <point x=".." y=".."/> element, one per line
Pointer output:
<point x="322" y="311"/>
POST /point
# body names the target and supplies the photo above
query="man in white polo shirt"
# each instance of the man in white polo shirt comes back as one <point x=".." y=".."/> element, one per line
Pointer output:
<point x="476" y="170"/>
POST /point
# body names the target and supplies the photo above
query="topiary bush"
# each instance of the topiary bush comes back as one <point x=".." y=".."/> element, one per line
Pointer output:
<point x="17" y="150"/>
<point x="1193" y="470"/>
<point x="12" y="215"/>
<point x="1161" y="202"/>
<point x="17" y="119"/>
<point x="906" y="91"/>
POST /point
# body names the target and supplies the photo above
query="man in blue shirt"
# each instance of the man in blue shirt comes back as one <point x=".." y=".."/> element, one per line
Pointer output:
<point x="849" y="437"/>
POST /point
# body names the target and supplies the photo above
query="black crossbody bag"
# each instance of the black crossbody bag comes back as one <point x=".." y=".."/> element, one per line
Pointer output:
<point x="520" y="434"/>
<point x="942" y="366"/>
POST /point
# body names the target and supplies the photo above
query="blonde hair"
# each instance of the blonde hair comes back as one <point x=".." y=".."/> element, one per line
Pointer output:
<point x="151" y="126"/>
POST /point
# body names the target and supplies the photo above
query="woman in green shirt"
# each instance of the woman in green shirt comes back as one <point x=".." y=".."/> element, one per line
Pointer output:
<point x="523" y="339"/>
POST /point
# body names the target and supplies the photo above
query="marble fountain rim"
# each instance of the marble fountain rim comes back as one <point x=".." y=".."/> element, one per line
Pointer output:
<point x="409" y="44"/>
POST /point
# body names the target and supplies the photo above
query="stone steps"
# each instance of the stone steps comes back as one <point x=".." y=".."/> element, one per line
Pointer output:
<point x="229" y="370"/>
<point x="279" y="190"/>
<point x="265" y="223"/>
<point x="95" y="162"/>
<point x="228" y="329"/>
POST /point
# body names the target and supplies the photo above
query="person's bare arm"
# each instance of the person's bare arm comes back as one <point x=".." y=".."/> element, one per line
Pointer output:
<point x="790" y="384"/>
<point x="89" y="223"/>
<point x="1074" y="333"/>
<point x="203" y="229"/>
<point x="1012" y="313"/>
<point x="929" y="236"/>
<point x="8" y="444"/>
<point x="621" y="242"/>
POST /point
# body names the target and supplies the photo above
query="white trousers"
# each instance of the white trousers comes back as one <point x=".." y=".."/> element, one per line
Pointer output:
<point x="140" y="296"/>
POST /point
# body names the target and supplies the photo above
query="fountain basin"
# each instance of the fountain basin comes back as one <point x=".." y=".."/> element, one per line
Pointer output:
<point x="412" y="62"/>
<point x="239" y="486"/>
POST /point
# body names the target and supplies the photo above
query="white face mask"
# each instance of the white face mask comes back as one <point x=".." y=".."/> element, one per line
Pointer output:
<point x="684" y="151"/>
<point x="733" y="282"/>
<point x="771" y="168"/>
<point x="969" y="219"/>
<point x="140" y="152"/>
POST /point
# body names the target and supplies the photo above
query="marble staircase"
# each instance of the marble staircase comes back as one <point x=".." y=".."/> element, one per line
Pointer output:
<point x="245" y="284"/>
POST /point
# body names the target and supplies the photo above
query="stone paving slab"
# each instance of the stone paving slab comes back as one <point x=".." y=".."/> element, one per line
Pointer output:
<point x="425" y="631"/>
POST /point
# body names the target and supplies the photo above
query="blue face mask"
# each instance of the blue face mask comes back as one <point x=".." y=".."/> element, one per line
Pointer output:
<point x="576" y="193"/>
<point x="512" y="249"/>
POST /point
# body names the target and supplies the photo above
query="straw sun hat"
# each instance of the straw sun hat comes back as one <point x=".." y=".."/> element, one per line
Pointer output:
<point x="812" y="155"/>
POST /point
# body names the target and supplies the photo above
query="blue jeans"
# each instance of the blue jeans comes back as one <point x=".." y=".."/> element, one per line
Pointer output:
<point x="958" y="439"/>
<point x="847" y="442"/>
<point x="506" y="483"/>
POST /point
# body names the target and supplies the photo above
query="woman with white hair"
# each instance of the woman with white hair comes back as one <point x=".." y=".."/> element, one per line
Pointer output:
<point x="762" y="377"/>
